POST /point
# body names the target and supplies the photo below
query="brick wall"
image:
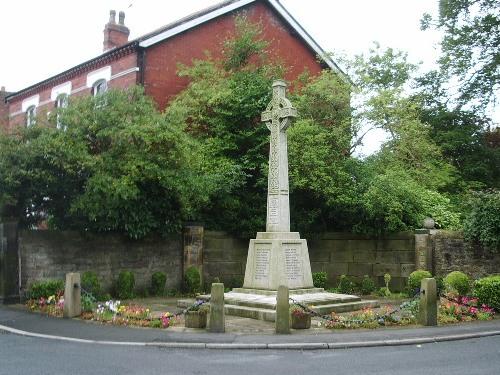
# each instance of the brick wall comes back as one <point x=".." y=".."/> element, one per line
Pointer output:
<point x="354" y="255"/>
<point x="51" y="254"/>
<point x="452" y="253"/>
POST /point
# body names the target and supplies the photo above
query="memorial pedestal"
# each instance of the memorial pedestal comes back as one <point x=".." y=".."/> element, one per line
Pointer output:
<point x="277" y="258"/>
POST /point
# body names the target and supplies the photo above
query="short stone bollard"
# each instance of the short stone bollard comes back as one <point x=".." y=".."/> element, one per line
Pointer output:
<point x="217" y="316"/>
<point x="72" y="296"/>
<point x="428" y="302"/>
<point x="282" y="322"/>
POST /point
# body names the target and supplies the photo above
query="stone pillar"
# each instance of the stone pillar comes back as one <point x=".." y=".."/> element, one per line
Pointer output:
<point x="193" y="248"/>
<point x="428" y="302"/>
<point x="9" y="262"/>
<point x="423" y="250"/>
<point x="282" y="322"/>
<point x="217" y="317"/>
<point x="72" y="296"/>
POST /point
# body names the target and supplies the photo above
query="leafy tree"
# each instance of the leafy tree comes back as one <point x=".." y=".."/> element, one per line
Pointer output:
<point x="482" y="220"/>
<point x="470" y="46"/>
<point x="117" y="166"/>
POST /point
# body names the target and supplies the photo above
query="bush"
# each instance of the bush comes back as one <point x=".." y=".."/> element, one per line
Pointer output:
<point x="125" y="285"/>
<point x="192" y="280"/>
<point x="91" y="284"/>
<point x="457" y="281"/>
<point x="46" y="289"/>
<point x="345" y="285"/>
<point x="367" y="285"/>
<point x="319" y="279"/>
<point x="415" y="280"/>
<point x="487" y="290"/>
<point x="158" y="281"/>
<point x="482" y="221"/>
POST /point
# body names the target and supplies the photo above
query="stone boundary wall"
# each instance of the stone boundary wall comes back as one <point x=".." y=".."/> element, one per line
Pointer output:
<point x="452" y="253"/>
<point x="224" y="256"/>
<point x="51" y="254"/>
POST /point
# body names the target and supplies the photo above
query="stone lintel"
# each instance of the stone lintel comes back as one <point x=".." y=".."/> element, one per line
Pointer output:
<point x="278" y="235"/>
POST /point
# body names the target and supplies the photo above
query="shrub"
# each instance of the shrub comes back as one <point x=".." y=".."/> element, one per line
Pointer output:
<point x="46" y="289"/>
<point x="158" y="280"/>
<point x="345" y="285"/>
<point x="91" y="283"/>
<point x="482" y="221"/>
<point x="125" y="285"/>
<point x="319" y="279"/>
<point x="367" y="285"/>
<point x="415" y="280"/>
<point x="192" y="280"/>
<point x="487" y="290"/>
<point x="457" y="281"/>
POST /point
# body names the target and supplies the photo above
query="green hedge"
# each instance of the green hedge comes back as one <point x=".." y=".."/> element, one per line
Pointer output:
<point x="319" y="279"/>
<point x="158" y="281"/>
<point x="45" y="289"/>
<point x="457" y="281"/>
<point x="415" y="279"/>
<point x="125" y="285"/>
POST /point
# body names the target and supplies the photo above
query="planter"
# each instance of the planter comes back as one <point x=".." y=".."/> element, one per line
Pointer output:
<point x="301" y="322"/>
<point x="196" y="319"/>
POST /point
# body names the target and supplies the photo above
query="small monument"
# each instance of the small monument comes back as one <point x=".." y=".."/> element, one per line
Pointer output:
<point x="278" y="257"/>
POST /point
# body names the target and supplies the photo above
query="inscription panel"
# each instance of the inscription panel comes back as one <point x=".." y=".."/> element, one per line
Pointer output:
<point x="273" y="210"/>
<point x="293" y="263"/>
<point x="261" y="267"/>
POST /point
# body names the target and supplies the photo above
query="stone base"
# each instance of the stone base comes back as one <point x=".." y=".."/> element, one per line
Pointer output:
<point x="278" y="258"/>
<point x="261" y="304"/>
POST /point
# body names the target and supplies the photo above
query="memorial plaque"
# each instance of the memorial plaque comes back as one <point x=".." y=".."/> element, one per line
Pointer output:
<point x="293" y="263"/>
<point x="273" y="210"/>
<point x="262" y="257"/>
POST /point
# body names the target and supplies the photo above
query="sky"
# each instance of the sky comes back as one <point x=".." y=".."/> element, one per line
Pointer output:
<point x="43" y="38"/>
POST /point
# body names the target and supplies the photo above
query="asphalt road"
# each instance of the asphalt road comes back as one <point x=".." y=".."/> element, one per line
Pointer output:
<point x="26" y="355"/>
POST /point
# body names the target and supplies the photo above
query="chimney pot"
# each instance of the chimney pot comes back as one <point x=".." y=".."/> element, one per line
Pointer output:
<point x="121" y="18"/>
<point x="112" y="15"/>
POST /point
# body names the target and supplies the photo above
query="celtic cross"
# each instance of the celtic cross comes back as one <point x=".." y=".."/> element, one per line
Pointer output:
<point x="278" y="117"/>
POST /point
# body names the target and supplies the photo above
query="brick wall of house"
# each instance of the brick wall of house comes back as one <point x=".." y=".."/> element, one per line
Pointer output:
<point x="78" y="83"/>
<point x="160" y="76"/>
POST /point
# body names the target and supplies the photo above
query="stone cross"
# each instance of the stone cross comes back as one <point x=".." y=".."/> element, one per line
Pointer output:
<point x="278" y="117"/>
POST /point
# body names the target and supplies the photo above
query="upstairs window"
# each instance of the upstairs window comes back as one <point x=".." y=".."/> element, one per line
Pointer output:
<point x="99" y="87"/>
<point x="30" y="116"/>
<point x="60" y="103"/>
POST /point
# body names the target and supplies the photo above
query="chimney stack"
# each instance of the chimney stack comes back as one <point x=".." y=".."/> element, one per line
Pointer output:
<point x="115" y="34"/>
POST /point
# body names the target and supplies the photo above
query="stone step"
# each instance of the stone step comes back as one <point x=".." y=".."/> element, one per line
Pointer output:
<point x="250" y="312"/>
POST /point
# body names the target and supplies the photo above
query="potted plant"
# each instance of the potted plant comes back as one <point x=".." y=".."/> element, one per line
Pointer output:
<point x="196" y="316"/>
<point x="300" y="318"/>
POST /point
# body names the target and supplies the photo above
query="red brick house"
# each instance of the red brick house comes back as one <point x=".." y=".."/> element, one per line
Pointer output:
<point x="152" y="59"/>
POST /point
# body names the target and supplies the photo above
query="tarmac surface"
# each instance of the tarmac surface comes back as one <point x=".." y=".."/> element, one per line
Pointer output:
<point x="241" y="333"/>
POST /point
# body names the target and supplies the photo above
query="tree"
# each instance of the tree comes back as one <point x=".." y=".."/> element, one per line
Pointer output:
<point x="117" y="166"/>
<point x="470" y="47"/>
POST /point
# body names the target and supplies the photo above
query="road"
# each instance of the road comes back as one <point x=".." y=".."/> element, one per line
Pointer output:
<point x="26" y="355"/>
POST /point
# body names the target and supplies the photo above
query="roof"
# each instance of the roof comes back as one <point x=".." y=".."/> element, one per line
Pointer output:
<point x="185" y="24"/>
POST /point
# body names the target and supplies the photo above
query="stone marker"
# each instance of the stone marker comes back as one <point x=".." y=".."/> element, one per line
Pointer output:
<point x="217" y="318"/>
<point x="428" y="302"/>
<point x="72" y="296"/>
<point x="282" y="322"/>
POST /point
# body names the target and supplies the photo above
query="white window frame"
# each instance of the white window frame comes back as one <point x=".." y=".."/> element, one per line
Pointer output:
<point x="30" y="114"/>
<point x="98" y="85"/>
<point x="60" y="102"/>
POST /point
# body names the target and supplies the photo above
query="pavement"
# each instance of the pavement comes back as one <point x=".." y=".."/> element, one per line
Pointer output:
<point x="241" y="333"/>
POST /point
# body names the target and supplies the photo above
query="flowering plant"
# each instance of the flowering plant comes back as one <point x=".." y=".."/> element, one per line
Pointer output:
<point x="298" y="311"/>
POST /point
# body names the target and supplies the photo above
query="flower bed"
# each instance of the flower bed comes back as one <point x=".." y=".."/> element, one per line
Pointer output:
<point x="454" y="309"/>
<point x="52" y="305"/>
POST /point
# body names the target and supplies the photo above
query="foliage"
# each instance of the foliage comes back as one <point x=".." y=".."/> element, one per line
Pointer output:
<point x="90" y="283"/>
<point x="346" y="285"/>
<point x="482" y="220"/>
<point x="487" y="290"/>
<point x="319" y="279"/>
<point x="53" y="305"/>
<point x="125" y="285"/>
<point x="367" y="285"/>
<point x="192" y="280"/>
<point x="88" y="302"/>
<point x="470" y="46"/>
<point x="107" y="169"/>
<point x="457" y="281"/>
<point x="45" y="289"/>
<point x="415" y="279"/>
<point x="298" y="311"/>
<point x="158" y="280"/>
